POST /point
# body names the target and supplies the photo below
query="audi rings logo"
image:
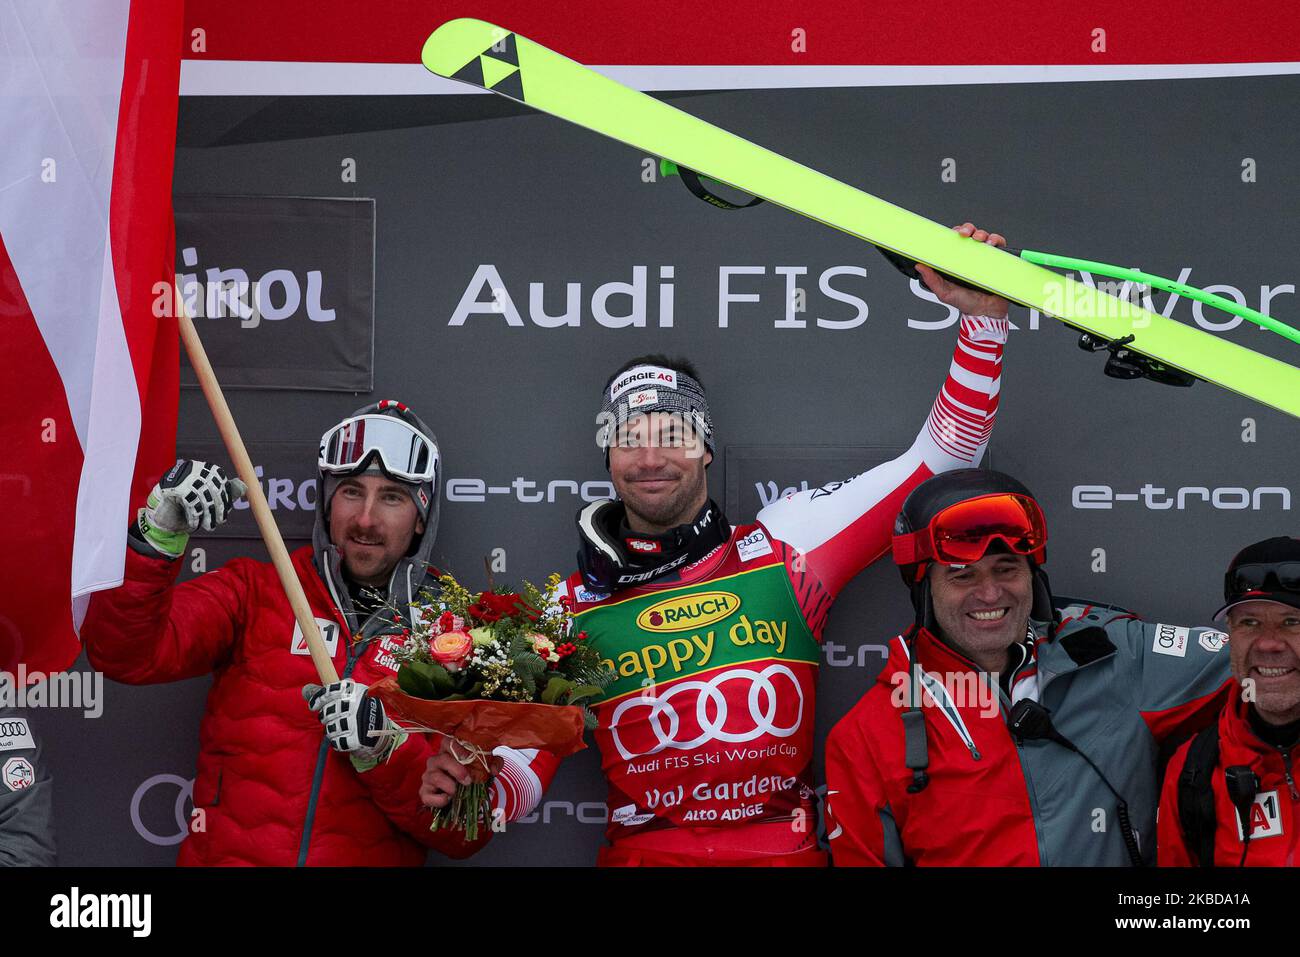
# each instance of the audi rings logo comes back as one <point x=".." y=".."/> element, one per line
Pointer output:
<point x="184" y="792"/>
<point x="12" y="729"/>
<point x="711" y="711"/>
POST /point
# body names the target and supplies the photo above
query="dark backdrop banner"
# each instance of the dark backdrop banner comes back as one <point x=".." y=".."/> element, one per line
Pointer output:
<point x="280" y="288"/>
<point x="519" y="260"/>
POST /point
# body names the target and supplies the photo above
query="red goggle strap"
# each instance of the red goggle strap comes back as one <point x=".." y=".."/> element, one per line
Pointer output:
<point x="913" y="547"/>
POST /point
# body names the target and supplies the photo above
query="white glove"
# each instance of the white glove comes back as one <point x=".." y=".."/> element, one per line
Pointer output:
<point x="192" y="495"/>
<point x="351" y="717"/>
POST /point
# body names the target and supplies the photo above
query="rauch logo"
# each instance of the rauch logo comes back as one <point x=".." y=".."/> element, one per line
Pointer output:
<point x="688" y="611"/>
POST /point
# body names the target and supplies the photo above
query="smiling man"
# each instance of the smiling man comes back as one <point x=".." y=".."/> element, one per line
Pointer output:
<point x="1004" y="731"/>
<point x="372" y="521"/>
<point x="706" y="735"/>
<point x="275" y="787"/>
<point x="1230" y="796"/>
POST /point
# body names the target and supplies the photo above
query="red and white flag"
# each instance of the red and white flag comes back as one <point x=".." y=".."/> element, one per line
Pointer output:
<point x="88" y="100"/>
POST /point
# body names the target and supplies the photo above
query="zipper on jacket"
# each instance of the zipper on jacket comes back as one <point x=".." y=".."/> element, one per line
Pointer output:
<point x="954" y="718"/>
<point x="1040" y="839"/>
<point x="1286" y="766"/>
<point x="318" y="777"/>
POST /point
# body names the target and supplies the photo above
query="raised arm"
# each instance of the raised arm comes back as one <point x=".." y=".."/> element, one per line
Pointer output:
<point x="840" y="528"/>
<point x="149" y="629"/>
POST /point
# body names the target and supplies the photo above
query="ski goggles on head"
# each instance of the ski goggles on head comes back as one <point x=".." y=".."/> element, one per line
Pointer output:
<point x="404" y="452"/>
<point x="962" y="533"/>
<point x="1261" y="577"/>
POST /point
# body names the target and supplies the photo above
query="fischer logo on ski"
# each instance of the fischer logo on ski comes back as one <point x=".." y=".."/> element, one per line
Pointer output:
<point x="496" y="69"/>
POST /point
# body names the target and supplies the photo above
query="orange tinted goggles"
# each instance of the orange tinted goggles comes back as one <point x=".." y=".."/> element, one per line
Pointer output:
<point x="961" y="534"/>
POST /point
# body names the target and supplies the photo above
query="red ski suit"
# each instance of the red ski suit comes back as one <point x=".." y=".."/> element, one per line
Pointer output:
<point x="706" y="736"/>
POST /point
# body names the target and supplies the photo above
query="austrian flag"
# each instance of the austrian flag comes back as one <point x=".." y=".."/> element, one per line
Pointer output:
<point x="88" y="100"/>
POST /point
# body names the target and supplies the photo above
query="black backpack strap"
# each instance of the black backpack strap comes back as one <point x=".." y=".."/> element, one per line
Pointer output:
<point x="1196" y="795"/>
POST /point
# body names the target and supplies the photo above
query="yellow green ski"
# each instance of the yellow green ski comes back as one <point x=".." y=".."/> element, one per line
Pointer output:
<point x="499" y="60"/>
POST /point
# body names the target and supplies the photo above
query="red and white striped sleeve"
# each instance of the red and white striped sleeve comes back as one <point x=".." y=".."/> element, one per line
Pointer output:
<point x="839" y="529"/>
<point x="961" y="419"/>
<point x="525" y="776"/>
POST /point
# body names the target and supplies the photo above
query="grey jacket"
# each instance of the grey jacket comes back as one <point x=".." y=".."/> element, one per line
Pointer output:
<point x="1116" y="688"/>
<point x="26" y="803"/>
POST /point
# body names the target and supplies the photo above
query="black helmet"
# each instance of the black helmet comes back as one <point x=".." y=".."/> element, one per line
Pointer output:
<point x="914" y="553"/>
<point x="944" y="490"/>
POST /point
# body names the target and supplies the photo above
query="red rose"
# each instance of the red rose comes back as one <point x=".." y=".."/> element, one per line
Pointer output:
<point x="492" y="607"/>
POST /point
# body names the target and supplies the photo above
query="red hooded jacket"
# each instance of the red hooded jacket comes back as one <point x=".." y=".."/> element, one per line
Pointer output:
<point x="271" y="790"/>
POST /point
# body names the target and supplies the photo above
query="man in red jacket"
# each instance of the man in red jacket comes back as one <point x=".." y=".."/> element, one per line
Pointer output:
<point x="1230" y="796"/>
<point x="1006" y="730"/>
<point x="276" y="788"/>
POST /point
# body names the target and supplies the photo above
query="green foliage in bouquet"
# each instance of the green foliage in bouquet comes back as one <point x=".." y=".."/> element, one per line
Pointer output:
<point x="499" y="645"/>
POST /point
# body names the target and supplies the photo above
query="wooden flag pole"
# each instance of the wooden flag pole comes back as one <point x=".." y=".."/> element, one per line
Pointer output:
<point x="256" y="498"/>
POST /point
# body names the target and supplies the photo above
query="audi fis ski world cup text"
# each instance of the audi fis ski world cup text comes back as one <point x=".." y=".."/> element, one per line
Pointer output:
<point x="746" y="292"/>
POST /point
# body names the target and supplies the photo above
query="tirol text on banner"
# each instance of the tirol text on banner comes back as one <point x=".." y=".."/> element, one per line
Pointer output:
<point x="281" y="289"/>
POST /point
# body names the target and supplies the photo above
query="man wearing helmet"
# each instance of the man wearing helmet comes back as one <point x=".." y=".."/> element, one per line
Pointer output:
<point x="344" y="794"/>
<point x="706" y="734"/>
<point x="1004" y="731"/>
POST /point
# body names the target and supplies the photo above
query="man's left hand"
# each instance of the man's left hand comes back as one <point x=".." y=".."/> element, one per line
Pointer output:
<point x="443" y="773"/>
<point x="351" y="717"/>
<point x="970" y="302"/>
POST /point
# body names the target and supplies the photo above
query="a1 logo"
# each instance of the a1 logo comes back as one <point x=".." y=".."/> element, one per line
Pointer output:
<point x="329" y="632"/>
<point x="1265" y="821"/>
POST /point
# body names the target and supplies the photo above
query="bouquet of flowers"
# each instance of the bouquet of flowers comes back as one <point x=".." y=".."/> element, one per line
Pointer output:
<point x="490" y="669"/>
